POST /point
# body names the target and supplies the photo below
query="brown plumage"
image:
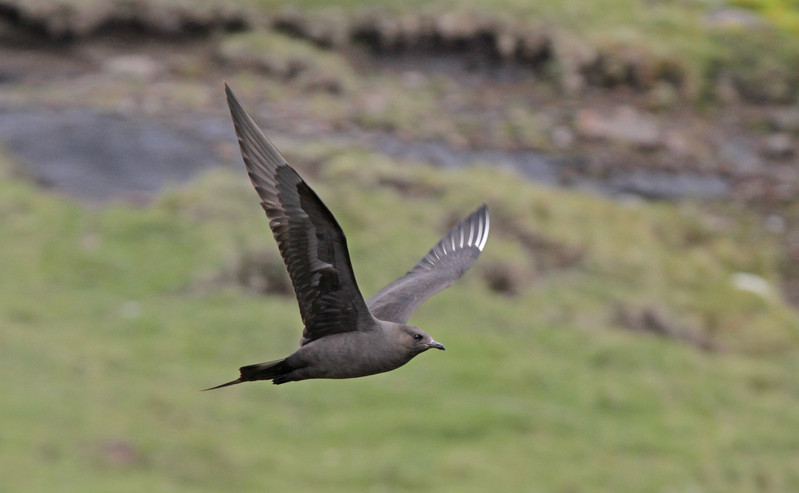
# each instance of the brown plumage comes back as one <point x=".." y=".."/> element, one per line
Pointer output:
<point x="344" y="336"/>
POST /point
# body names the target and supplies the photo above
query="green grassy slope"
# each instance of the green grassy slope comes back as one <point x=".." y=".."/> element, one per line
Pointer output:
<point x="112" y="319"/>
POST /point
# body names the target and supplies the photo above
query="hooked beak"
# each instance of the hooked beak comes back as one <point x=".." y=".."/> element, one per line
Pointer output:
<point x="436" y="345"/>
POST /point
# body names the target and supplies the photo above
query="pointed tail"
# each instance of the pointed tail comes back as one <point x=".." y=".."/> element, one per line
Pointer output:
<point x="234" y="382"/>
<point x="260" y="371"/>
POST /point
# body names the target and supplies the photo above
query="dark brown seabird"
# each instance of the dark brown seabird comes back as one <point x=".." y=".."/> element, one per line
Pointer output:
<point x="344" y="336"/>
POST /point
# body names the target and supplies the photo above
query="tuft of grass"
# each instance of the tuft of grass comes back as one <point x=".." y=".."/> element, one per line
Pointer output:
<point x="287" y="58"/>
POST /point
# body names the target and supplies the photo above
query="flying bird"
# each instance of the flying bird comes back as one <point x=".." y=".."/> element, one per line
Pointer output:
<point x="344" y="336"/>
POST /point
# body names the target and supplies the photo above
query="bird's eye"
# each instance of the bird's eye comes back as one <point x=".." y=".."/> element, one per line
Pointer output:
<point x="417" y="337"/>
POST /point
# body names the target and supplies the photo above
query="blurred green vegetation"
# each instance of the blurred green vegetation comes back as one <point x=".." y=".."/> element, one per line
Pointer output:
<point x="113" y="318"/>
<point x="696" y="46"/>
<point x="699" y="48"/>
<point x="784" y="13"/>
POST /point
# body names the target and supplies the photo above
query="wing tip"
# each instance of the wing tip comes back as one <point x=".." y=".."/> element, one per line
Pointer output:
<point x="480" y="220"/>
<point x="241" y="119"/>
<point x="470" y="232"/>
<point x="483" y="210"/>
<point x="231" y="96"/>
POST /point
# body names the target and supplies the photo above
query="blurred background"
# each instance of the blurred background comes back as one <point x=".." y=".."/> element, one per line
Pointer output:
<point x="631" y="326"/>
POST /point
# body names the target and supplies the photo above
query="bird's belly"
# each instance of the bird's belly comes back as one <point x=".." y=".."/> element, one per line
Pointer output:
<point x="333" y="357"/>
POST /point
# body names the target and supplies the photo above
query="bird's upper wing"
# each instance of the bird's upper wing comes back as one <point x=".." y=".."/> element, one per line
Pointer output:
<point x="310" y="240"/>
<point x="443" y="264"/>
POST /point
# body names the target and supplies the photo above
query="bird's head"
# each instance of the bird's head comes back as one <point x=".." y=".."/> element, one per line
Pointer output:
<point x="417" y="340"/>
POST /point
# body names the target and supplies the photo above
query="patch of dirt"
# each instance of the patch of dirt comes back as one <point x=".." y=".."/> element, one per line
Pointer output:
<point x="504" y="278"/>
<point x="657" y="320"/>
<point x="116" y="453"/>
<point x="259" y="271"/>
